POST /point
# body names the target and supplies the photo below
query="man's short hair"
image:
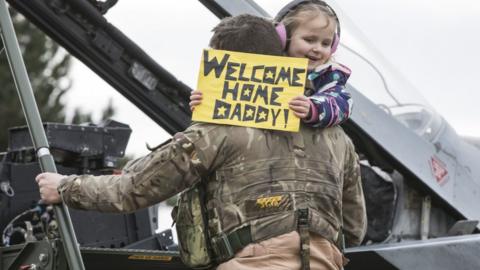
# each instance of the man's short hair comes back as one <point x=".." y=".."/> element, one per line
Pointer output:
<point x="246" y="33"/>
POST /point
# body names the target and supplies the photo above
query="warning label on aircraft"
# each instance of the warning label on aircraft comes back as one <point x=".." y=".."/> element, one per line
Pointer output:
<point x="439" y="170"/>
<point x="150" y="257"/>
<point x="249" y="89"/>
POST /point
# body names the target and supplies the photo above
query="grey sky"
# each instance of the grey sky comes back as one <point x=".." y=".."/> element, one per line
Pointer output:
<point x="433" y="43"/>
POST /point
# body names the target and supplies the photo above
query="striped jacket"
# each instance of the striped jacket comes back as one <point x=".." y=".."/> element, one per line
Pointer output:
<point x="331" y="103"/>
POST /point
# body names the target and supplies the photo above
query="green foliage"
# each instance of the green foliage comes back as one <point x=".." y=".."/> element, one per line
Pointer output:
<point x="81" y="117"/>
<point x="47" y="66"/>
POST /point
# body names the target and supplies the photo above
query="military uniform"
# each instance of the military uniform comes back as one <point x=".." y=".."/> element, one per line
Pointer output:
<point x="258" y="183"/>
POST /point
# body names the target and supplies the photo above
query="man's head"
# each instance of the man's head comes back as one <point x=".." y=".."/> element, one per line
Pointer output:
<point x="246" y="33"/>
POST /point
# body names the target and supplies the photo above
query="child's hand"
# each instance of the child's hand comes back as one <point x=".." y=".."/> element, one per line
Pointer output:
<point x="195" y="99"/>
<point x="300" y="106"/>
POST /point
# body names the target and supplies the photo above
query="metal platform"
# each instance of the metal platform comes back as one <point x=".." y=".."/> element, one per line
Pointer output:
<point x="446" y="253"/>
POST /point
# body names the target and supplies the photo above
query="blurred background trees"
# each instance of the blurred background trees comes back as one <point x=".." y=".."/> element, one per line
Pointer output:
<point x="48" y="69"/>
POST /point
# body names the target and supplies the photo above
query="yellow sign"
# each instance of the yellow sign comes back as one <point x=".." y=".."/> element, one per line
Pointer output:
<point x="249" y="89"/>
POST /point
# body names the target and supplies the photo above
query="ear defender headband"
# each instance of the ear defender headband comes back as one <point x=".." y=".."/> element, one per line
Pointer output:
<point x="282" y="30"/>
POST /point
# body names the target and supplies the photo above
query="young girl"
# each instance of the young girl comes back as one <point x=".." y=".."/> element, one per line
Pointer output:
<point x="310" y="29"/>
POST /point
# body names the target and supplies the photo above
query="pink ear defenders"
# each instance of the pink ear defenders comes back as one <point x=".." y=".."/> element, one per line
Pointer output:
<point x="282" y="30"/>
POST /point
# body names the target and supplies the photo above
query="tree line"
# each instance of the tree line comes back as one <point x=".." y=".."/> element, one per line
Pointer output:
<point x="48" y="68"/>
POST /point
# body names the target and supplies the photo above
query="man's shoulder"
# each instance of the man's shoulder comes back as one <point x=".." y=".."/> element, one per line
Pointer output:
<point x="330" y="131"/>
<point x="206" y="128"/>
<point x="214" y="132"/>
<point x="336" y="137"/>
<point x="203" y="127"/>
<point x="341" y="135"/>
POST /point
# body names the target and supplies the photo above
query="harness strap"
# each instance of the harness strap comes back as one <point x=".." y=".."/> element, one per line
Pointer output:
<point x="303" y="231"/>
<point x="340" y="243"/>
<point x="226" y="245"/>
<point x="201" y="171"/>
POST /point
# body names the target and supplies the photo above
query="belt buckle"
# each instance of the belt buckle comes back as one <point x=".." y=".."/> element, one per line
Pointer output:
<point x="222" y="244"/>
<point x="302" y="216"/>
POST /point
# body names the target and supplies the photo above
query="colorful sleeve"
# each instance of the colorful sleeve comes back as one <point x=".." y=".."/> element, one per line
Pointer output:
<point x="331" y="103"/>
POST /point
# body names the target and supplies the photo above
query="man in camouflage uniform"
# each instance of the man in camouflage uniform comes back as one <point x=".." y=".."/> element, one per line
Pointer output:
<point x="275" y="200"/>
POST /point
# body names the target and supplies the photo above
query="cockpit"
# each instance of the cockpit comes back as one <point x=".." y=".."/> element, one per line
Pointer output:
<point x="382" y="83"/>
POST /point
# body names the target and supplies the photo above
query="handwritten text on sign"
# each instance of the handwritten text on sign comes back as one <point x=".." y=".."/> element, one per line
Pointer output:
<point x="249" y="89"/>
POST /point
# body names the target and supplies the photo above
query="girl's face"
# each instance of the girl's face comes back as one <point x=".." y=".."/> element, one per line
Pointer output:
<point x="313" y="39"/>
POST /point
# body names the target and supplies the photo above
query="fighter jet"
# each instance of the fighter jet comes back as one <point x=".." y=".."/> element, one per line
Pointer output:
<point x="420" y="177"/>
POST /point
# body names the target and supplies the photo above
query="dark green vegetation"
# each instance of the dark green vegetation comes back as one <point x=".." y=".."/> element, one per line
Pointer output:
<point x="48" y="69"/>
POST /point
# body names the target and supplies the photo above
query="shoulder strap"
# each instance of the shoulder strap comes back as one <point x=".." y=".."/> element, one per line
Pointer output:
<point x="201" y="171"/>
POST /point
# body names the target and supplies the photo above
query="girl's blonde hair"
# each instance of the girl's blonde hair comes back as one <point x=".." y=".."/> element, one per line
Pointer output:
<point x="305" y="12"/>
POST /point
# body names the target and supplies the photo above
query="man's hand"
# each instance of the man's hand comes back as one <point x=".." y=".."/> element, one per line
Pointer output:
<point x="48" y="184"/>
<point x="300" y="106"/>
<point x="195" y="99"/>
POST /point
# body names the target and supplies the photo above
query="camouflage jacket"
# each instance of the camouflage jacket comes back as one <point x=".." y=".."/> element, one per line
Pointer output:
<point x="253" y="176"/>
